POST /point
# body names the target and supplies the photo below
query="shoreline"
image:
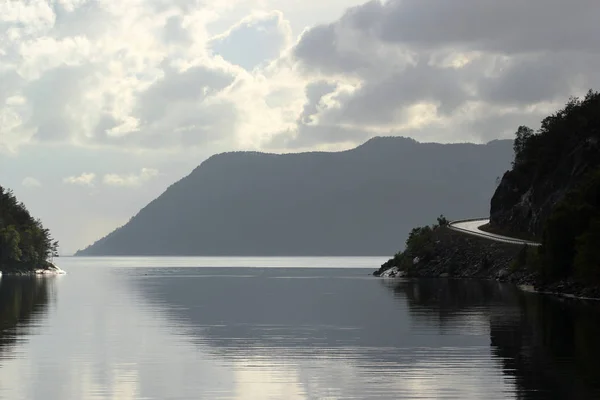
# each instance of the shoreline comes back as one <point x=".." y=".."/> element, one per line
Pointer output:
<point x="525" y="287"/>
<point x="51" y="271"/>
<point x="457" y="255"/>
<point x="569" y="296"/>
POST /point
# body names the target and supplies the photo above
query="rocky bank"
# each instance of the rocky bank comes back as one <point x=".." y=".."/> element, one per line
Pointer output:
<point x="459" y="255"/>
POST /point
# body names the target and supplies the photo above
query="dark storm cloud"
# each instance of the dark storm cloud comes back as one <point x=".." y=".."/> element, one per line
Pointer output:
<point x="510" y="26"/>
<point x="453" y="53"/>
<point x="314" y="93"/>
<point x="176" y="88"/>
<point x="318" y="49"/>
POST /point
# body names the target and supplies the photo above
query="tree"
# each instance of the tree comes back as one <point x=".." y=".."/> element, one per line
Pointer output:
<point x="9" y="244"/>
<point x="523" y="136"/>
<point x="24" y="243"/>
<point x="587" y="257"/>
<point x="442" y="221"/>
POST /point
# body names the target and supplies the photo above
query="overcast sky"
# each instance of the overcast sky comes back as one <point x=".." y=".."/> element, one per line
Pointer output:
<point x="104" y="103"/>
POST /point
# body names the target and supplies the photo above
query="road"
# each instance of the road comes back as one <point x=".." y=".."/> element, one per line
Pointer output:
<point x="471" y="227"/>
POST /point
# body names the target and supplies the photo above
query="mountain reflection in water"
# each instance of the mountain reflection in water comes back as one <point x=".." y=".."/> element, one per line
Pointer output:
<point x="545" y="346"/>
<point x="548" y="345"/>
<point x="145" y="328"/>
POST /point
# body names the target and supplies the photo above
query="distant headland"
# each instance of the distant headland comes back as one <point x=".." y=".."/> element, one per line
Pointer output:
<point x="26" y="247"/>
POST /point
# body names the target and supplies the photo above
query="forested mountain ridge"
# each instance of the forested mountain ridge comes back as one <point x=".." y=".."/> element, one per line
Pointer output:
<point x="25" y="245"/>
<point x="553" y="190"/>
<point x="357" y="202"/>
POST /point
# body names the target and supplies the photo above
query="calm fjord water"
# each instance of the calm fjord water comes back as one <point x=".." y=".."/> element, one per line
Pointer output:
<point x="301" y="328"/>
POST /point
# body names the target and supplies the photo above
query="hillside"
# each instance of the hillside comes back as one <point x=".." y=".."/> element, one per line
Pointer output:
<point x="553" y="190"/>
<point x="551" y="193"/>
<point x="25" y="245"/>
<point x="358" y="202"/>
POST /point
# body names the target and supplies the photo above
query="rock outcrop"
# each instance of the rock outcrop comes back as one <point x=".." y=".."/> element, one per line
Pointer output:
<point x="551" y="194"/>
<point x="550" y="164"/>
<point x="458" y="255"/>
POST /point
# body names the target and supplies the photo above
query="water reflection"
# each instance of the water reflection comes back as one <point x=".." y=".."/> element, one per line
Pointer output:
<point x="278" y="333"/>
<point x="548" y="346"/>
<point x="23" y="301"/>
<point x="321" y="334"/>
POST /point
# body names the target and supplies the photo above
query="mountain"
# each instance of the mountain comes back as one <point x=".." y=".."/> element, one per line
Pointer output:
<point x="552" y="191"/>
<point x="362" y="201"/>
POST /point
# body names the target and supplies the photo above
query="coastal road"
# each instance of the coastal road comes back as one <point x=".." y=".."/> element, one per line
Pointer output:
<point x="471" y="227"/>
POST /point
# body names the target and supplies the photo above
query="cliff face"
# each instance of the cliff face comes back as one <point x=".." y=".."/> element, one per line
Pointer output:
<point x="548" y="165"/>
<point x="552" y="193"/>
<point x="524" y="199"/>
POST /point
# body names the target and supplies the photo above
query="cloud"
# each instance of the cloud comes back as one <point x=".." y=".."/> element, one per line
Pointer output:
<point x="169" y="82"/>
<point x="423" y="68"/>
<point x="145" y="175"/>
<point x="30" y="182"/>
<point x="315" y="91"/>
<point x="85" y="179"/>
<point x="170" y="76"/>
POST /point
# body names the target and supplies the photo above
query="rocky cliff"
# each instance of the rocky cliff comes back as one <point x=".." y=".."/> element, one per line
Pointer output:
<point x="551" y="193"/>
<point x="548" y="165"/>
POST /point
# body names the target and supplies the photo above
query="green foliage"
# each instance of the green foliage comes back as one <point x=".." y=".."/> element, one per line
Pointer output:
<point x="571" y="234"/>
<point x="565" y="148"/>
<point x="420" y="243"/>
<point x="587" y="255"/>
<point x="442" y="221"/>
<point x="9" y="244"/>
<point x="24" y="243"/>
<point x="523" y="136"/>
<point x="539" y="152"/>
<point x="527" y="259"/>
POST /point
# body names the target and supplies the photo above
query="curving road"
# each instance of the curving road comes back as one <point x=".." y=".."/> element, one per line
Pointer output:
<point x="471" y="227"/>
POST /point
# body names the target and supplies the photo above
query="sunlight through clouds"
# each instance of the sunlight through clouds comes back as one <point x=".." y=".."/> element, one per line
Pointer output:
<point x="185" y="79"/>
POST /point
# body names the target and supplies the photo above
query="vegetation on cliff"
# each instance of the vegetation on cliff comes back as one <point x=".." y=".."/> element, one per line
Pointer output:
<point x="572" y="234"/>
<point x="25" y="245"/>
<point x="552" y="193"/>
<point x="548" y="165"/>
<point x="553" y="190"/>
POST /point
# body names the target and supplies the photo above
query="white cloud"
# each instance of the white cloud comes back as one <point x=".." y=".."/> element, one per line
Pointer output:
<point x="30" y="182"/>
<point x="173" y="81"/>
<point x="85" y="179"/>
<point x="145" y="175"/>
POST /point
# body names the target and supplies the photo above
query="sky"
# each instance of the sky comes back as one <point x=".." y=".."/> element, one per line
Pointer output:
<point x="104" y="104"/>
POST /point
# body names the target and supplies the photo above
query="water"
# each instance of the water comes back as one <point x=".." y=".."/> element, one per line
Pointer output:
<point x="215" y="328"/>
